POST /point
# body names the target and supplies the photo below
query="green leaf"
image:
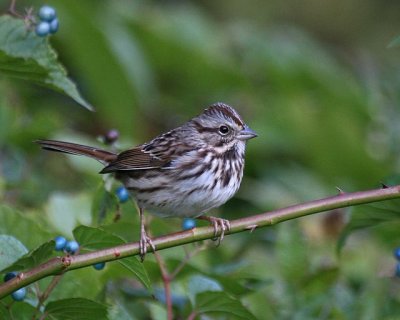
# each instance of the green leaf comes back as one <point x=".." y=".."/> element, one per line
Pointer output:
<point x="220" y="302"/>
<point x="320" y="281"/>
<point x="136" y="267"/>
<point x="105" y="204"/>
<point x="33" y="258"/>
<point x="19" y="310"/>
<point x="3" y="312"/>
<point x="92" y="239"/>
<point x="11" y="249"/>
<point x="24" y="226"/>
<point x="76" y="309"/>
<point x="370" y="215"/>
<point x="26" y="56"/>
<point x="291" y="252"/>
<point x="88" y="36"/>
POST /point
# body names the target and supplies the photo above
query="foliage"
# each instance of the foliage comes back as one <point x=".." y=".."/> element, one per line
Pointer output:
<point x="323" y="100"/>
<point x="24" y="55"/>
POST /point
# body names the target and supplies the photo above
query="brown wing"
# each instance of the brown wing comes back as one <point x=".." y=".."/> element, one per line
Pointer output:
<point x="158" y="153"/>
<point x="136" y="159"/>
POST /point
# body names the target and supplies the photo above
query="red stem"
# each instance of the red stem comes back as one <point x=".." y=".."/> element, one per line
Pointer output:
<point x="192" y="316"/>
<point x="167" y="285"/>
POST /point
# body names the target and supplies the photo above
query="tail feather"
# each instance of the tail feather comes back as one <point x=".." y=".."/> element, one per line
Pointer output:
<point x="77" y="149"/>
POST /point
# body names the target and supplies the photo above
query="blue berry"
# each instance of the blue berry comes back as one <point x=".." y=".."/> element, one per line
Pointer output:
<point x="10" y="275"/>
<point x="72" y="246"/>
<point x="47" y="13"/>
<point x="54" y="26"/>
<point x="60" y="243"/>
<point x="42" y="29"/>
<point x="99" y="266"/>
<point x="19" y="294"/>
<point x="122" y="194"/>
<point x="188" y="223"/>
<point x="396" y="253"/>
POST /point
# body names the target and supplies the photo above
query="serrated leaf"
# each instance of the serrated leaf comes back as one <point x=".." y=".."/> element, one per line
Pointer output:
<point x="11" y="249"/>
<point x="33" y="258"/>
<point x="94" y="238"/>
<point x="76" y="309"/>
<point x="370" y="215"/>
<point x="26" y="56"/>
<point x="220" y="302"/>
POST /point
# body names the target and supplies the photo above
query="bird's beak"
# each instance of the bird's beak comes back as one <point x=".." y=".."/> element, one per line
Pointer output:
<point x="247" y="134"/>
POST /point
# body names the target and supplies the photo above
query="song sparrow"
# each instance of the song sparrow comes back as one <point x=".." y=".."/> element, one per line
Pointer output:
<point x="182" y="173"/>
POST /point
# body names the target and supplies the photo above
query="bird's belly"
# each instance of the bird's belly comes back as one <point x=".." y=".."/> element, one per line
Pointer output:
<point x="185" y="197"/>
<point x="174" y="203"/>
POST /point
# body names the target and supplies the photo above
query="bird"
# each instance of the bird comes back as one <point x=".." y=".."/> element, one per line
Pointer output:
<point x="183" y="173"/>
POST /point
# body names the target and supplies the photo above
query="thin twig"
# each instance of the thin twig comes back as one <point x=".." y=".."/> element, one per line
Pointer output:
<point x="188" y="256"/>
<point x="64" y="264"/>
<point x="167" y="285"/>
<point x="169" y="277"/>
<point x="192" y="316"/>
<point x="49" y="289"/>
<point x="13" y="11"/>
<point x="43" y="317"/>
<point x="43" y="297"/>
<point x="11" y="8"/>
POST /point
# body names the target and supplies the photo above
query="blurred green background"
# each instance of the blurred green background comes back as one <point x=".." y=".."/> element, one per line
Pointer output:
<point x="315" y="79"/>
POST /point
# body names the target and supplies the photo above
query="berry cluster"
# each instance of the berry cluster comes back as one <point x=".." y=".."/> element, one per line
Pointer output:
<point x="68" y="246"/>
<point x="17" y="295"/>
<point x="48" y="21"/>
<point x="72" y="247"/>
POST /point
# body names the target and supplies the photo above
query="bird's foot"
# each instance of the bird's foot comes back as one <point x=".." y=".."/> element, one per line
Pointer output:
<point x="220" y="226"/>
<point x="143" y="242"/>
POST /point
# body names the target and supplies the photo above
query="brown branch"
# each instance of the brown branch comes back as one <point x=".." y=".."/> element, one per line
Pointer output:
<point x="63" y="264"/>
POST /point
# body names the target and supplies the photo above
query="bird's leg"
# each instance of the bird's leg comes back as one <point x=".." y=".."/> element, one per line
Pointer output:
<point x="144" y="238"/>
<point x="220" y="226"/>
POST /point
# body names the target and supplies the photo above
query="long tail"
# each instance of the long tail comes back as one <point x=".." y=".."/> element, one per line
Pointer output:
<point x="103" y="156"/>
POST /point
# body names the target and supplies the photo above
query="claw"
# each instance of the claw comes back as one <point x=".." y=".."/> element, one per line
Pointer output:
<point x="144" y="238"/>
<point x="143" y="242"/>
<point x="220" y="226"/>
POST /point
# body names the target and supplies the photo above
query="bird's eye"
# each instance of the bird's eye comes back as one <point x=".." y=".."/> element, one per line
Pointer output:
<point x="223" y="130"/>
